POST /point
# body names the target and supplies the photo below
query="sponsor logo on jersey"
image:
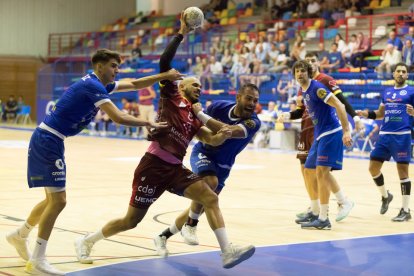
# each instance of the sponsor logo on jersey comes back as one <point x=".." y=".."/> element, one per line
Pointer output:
<point x="403" y="92"/>
<point x="321" y="93"/>
<point x="147" y="190"/>
<point x="182" y="104"/>
<point x="250" y="123"/>
<point x="59" y="164"/>
<point x="201" y="156"/>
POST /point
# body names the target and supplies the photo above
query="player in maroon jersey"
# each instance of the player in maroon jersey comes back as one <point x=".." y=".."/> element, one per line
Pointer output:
<point x="306" y="140"/>
<point x="161" y="167"/>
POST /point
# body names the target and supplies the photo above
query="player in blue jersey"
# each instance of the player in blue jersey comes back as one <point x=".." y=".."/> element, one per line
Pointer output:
<point x="394" y="138"/>
<point x="214" y="163"/>
<point x="46" y="162"/>
<point x="326" y="152"/>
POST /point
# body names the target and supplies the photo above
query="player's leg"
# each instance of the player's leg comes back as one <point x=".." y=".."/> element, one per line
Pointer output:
<point x="231" y="254"/>
<point x="56" y="202"/>
<point x="402" y="155"/>
<point x="380" y="154"/>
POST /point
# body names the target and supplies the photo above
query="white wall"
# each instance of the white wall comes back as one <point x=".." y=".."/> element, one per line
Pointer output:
<point x="25" y="24"/>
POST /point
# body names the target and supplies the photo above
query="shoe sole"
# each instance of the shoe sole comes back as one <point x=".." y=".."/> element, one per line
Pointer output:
<point x="80" y="260"/>
<point x="246" y="255"/>
<point x="346" y="215"/>
<point x="10" y="241"/>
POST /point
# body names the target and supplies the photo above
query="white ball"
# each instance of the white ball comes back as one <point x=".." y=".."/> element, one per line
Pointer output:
<point x="194" y="17"/>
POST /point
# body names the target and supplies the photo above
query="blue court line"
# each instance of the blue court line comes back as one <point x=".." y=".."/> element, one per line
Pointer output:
<point x="368" y="256"/>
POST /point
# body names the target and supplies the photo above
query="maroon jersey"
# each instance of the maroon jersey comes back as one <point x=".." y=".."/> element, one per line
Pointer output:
<point x="183" y="124"/>
<point x="306" y="135"/>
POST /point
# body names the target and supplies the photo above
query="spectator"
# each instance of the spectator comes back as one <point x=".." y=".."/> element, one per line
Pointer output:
<point x="390" y="58"/>
<point x="322" y="54"/>
<point x="342" y="47"/>
<point x="282" y="61"/>
<point x="410" y="34"/>
<point x="408" y="55"/>
<point x="197" y="68"/>
<point x="226" y="60"/>
<point x="335" y="60"/>
<point x="285" y="86"/>
<point x="361" y="51"/>
<point x="10" y="109"/>
<point x="370" y="129"/>
<point x="146" y="109"/>
<point x="352" y="44"/>
<point x="394" y="40"/>
<point x="240" y="67"/>
<point x="313" y="9"/>
<point x="20" y="103"/>
<point x="298" y="50"/>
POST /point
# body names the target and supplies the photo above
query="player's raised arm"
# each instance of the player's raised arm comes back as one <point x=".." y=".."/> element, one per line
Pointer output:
<point x="373" y="114"/>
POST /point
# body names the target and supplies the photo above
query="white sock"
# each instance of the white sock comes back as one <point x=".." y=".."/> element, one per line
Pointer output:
<point x="174" y="229"/>
<point x="340" y="197"/>
<point x="315" y="207"/>
<point x="222" y="239"/>
<point x="40" y="249"/>
<point x="383" y="191"/>
<point x="24" y="230"/>
<point x="323" y="215"/>
<point x="193" y="215"/>
<point x="97" y="236"/>
<point x="405" y="202"/>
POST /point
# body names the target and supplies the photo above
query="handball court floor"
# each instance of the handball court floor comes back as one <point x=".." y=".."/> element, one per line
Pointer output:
<point x="262" y="195"/>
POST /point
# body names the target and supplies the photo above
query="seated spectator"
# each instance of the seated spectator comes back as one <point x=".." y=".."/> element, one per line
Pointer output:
<point x="410" y="34"/>
<point x="352" y="44"/>
<point x="257" y="75"/>
<point x="370" y="129"/>
<point x="282" y="60"/>
<point x="20" y="103"/>
<point x="10" y="109"/>
<point x="395" y="41"/>
<point x="197" y="68"/>
<point x="227" y="60"/>
<point x="342" y="47"/>
<point x="298" y="49"/>
<point x="101" y="117"/>
<point x="408" y="55"/>
<point x="240" y="67"/>
<point x="389" y="59"/>
<point x="362" y="50"/>
<point x="322" y="54"/>
<point x="335" y="60"/>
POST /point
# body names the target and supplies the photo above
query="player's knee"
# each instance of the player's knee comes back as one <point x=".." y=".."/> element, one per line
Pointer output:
<point x="58" y="203"/>
<point x="209" y="199"/>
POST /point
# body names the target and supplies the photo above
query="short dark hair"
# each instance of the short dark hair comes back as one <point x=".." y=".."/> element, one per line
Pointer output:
<point x="249" y="85"/>
<point x="105" y="55"/>
<point x="312" y="54"/>
<point x="400" y="64"/>
<point x="302" y="64"/>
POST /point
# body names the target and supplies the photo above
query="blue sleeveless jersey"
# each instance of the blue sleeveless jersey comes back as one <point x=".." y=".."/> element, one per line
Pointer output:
<point x="396" y="118"/>
<point x="323" y="115"/>
<point x="225" y="154"/>
<point x="78" y="105"/>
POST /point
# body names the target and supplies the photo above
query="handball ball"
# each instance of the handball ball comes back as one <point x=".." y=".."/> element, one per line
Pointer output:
<point x="194" y="17"/>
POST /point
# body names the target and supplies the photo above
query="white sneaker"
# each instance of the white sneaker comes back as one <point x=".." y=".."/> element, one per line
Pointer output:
<point x="344" y="209"/>
<point x="41" y="267"/>
<point x="83" y="250"/>
<point x="189" y="234"/>
<point x="21" y="245"/>
<point x="233" y="254"/>
<point x="161" y="246"/>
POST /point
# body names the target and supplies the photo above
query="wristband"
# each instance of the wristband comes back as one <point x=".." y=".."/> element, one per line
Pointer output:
<point x="372" y="115"/>
<point x="203" y="117"/>
<point x="356" y="119"/>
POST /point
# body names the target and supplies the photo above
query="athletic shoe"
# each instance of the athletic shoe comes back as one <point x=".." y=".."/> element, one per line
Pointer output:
<point x="41" y="267"/>
<point x="189" y="234"/>
<point x="402" y="216"/>
<point x="20" y="244"/>
<point x="83" y="250"/>
<point x="160" y="243"/>
<point x="386" y="203"/>
<point x="304" y="213"/>
<point x="344" y="209"/>
<point x="317" y="224"/>
<point x="308" y="218"/>
<point x="233" y="254"/>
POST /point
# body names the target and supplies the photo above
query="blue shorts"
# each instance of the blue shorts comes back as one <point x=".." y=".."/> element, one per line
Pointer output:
<point x="397" y="146"/>
<point x="46" y="162"/>
<point x="327" y="152"/>
<point x="201" y="163"/>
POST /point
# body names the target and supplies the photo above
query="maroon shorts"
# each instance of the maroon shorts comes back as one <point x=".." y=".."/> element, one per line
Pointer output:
<point x="305" y="143"/>
<point x="153" y="176"/>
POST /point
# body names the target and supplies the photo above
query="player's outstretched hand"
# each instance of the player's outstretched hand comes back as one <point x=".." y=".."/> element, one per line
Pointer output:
<point x="159" y="125"/>
<point x="184" y="29"/>
<point x="197" y="107"/>
<point x="410" y="109"/>
<point x="226" y="131"/>
<point x="362" y="113"/>
<point x="173" y="75"/>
